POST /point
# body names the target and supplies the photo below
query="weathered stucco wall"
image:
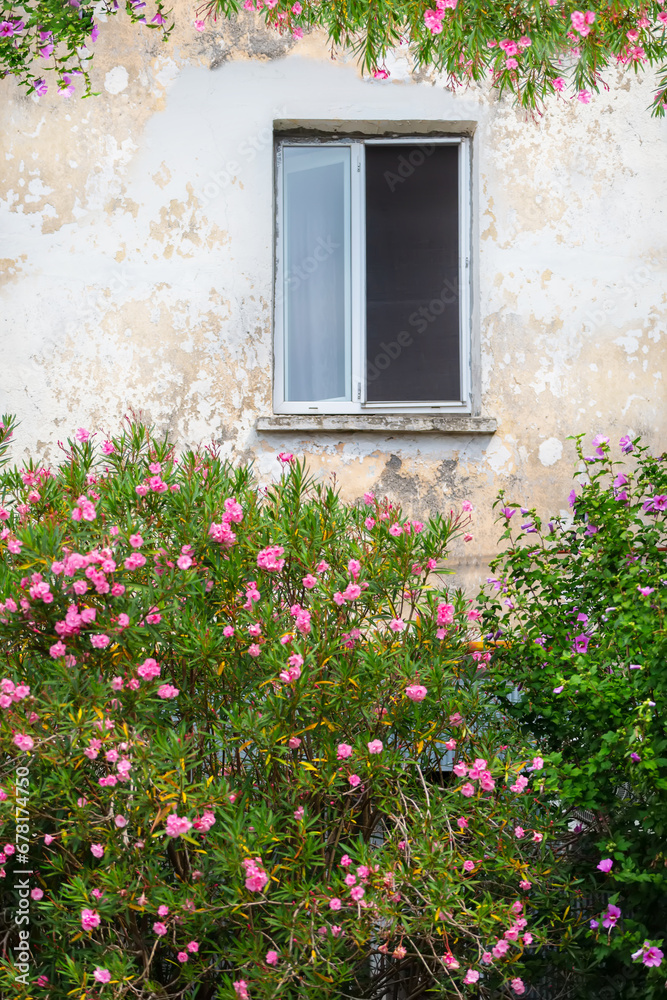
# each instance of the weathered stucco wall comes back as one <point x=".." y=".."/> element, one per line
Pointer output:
<point x="137" y="237"/>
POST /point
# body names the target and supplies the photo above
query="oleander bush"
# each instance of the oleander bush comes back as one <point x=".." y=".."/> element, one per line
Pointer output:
<point x="245" y="747"/>
<point x="578" y="605"/>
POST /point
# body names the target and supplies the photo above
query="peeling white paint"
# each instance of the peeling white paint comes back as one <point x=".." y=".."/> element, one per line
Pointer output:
<point x="116" y="80"/>
<point x="550" y="451"/>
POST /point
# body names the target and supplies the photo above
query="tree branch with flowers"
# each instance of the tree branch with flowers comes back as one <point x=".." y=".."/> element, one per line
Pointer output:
<point x="530" y="49"/>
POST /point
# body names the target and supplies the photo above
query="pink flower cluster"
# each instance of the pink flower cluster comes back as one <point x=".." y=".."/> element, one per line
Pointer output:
<point x="256" y="877"/>
<point x="582" y="22"/>
<point x="270" y="558"/>
<point x="12" y="693"/>
<point x="433" y="18"/>
<point x="477" y="772"/>
<point x="84" y="510"/>
<point x="177" y="825"/>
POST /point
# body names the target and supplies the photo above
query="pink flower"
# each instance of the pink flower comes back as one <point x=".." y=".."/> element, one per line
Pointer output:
<point x="396" y="530"/>
<point x="120" y="821"/>
<point x="97" y="850"/>
<point x="471" y="976"/>
<point x="397" y="625"/>
<point x="468" y="790"/>
<point x="375" y="746"/>
<point x="90" y="919"/>
<point x="159" y="928"/>
<point x="284" y="456"/>
<point x="162" y="911"/>
<point x="184" y="562"/>
<point x="335" y="903"/>
<point x="344" y="751"/>
<point x="469" y="866"/>
<point x="57" y="649"/>
<point x="271" y="957"/>
<point x="149" y="669"/>
<point x="82" y="434"/>
<point x="182" y="956"/>
<point x="298" y="813"/>
<point x="100" y="641"/>
<point x="167" y="691"/>
<point x="269" y="558"/>
<point x="517" y="986"/>
<point x="605" y="865"/>
<point x="357" y="893"/>
<point x="101" y="975"/>
<point x="241" y="989"/>
<point x="136" y="541"/>
<point x="23" y="742"/>
<point x="108" y="447"/>
<point x="538" y="837"/>
<point x="525" y="884"/>
<point x="537" y="764"/>
<point x="309" y="581"/>
<point x="519" y="832"/>
<point x="416" y="692"/>
<point x="584" y="96"/>
<point x="293" y="742"/>
<point x="193" y="947"/>
<point x="37" y="893"/>
<point x="352" y="592"/>
<point x="177" y="825"/>
<point x="354" y="780"/>
<point x="199" y="25"/>
<point x="256" y="877"/>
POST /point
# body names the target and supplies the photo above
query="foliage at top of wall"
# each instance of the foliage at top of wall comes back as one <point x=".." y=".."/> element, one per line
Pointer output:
<point x="532" y="49"/>
<point x="55" y="38"/>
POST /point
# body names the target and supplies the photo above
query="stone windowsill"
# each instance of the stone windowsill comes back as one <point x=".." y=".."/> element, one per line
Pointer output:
<point x="408" y="423"/>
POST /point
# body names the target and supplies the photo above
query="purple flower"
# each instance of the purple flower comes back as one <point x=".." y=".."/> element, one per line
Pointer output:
<point x="626" y="444"/>
<point x="611" y="916"/>
<point x="621" y="479"/>
<point x="558" y="689"/>
<point x="635" y="757"/>
<point x="635" y="666"/>
<point x="606" y="866"/>
<point x="581" y="643"/>
<point x="594" y="925"/>
<point x="572" y="499"/>
<point x="508" y="512"/>
<point x="591" y="530"/>
<point x="6" y="29"/>
<point x="649" y="954"/>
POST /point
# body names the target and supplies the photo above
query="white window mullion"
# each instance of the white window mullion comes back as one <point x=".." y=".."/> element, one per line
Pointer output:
<point x="358" y="278"/>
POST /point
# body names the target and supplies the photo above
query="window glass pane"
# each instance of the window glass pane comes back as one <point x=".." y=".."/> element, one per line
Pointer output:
<point x="316" y="277"/>
<point x="412" y="273"/>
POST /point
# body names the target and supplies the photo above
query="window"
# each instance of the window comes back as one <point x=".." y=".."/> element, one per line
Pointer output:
<point x="372" y="298"/>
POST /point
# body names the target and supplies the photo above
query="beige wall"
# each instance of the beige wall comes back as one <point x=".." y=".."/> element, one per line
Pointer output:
<point x="137" y="237"/>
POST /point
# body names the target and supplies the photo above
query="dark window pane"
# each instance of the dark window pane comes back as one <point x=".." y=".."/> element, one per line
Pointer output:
<point x="412" y="273"/>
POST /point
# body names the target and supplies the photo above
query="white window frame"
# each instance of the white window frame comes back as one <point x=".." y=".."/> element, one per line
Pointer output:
<point x="359" y="404"/>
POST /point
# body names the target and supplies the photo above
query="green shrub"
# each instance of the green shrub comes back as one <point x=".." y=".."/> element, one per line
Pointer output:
<point x="244" y="744"/>
<point x="580" y="605"/>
